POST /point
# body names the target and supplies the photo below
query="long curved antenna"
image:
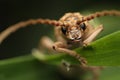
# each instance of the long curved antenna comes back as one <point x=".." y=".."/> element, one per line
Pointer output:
<point x="99" y="14"/>
<point x="19" y="25"/>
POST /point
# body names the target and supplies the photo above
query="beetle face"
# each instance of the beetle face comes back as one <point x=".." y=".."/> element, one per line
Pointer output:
<point x="73" y="33"/>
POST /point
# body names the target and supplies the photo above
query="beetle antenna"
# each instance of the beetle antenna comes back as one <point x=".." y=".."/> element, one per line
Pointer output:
<point x="99" y="14"/>
<point x="23" y="24"/>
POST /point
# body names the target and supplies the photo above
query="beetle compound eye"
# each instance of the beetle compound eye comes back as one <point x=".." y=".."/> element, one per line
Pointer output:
<point x="64" y="30"/>
<point x="83" y="26"/>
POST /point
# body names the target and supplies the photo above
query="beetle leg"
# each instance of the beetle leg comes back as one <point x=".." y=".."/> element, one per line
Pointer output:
<point x="95" y="71"/>
<point x="93" y="35"/>
<point x="46" y="42"/>
<point x="60" y="47"/>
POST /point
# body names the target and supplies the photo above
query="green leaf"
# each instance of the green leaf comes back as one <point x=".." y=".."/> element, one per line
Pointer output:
<point x="110" y="73"/>
<point x="102" y="52"/>
<point x="28" y="68"/>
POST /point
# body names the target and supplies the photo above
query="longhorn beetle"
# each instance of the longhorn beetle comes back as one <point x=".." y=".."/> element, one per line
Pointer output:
<point x="73" y="29"/>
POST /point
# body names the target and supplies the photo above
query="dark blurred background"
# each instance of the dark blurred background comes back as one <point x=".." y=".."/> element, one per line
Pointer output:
<point x="24" y="40"/>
